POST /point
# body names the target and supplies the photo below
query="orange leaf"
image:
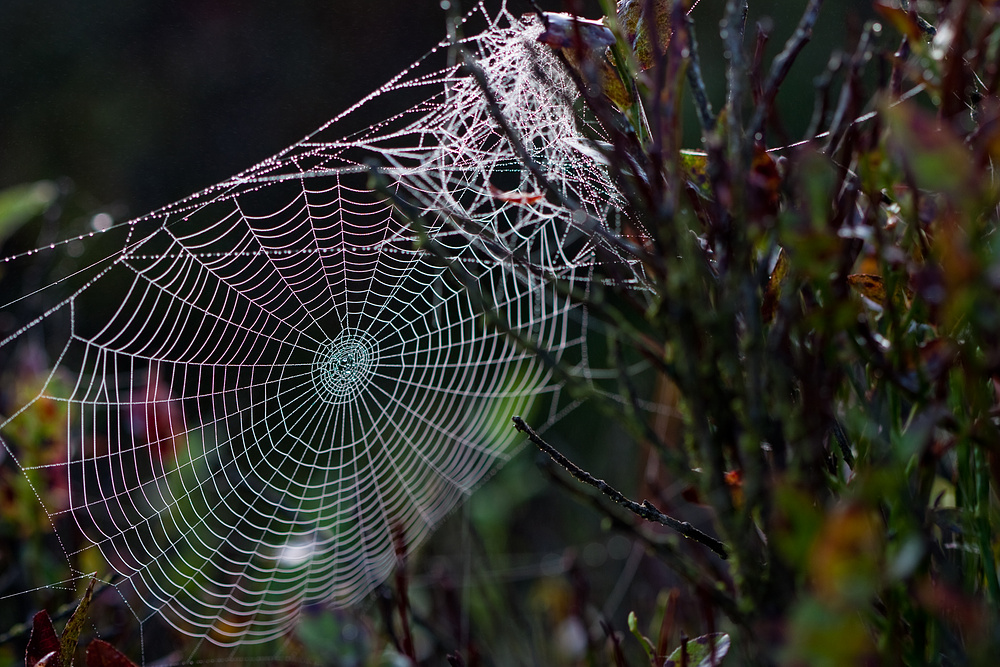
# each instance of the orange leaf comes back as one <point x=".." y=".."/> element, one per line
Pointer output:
<point x="765" y="183"/>
<point x="734" y="480"/>
<point x="868" y="285"/>
<point x="769" y="304"/>
<point x="872" y="287"/>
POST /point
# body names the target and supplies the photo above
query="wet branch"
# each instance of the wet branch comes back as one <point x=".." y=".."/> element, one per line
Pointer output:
<point x="646" y="510"/>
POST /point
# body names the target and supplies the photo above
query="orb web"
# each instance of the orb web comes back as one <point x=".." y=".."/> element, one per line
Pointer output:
<point x="344" y="365"/>
<point x="266" y="387"/>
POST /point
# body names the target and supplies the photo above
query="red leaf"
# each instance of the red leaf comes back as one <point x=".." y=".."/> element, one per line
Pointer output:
<point x="102" y="654"/>
<point x="765" y="183"/>
<point x="769" y="304"/>
<point x="43" y="640"/>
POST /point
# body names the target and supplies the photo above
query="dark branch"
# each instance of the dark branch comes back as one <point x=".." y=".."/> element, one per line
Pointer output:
<point x="665" y="548"/>
<point x="698" y="91"/>
<point x="646" y="510"/>
<point x="783" y="64"/>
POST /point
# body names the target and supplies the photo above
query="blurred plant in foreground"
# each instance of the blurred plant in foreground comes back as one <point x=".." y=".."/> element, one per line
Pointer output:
<point x="825" y="318"/>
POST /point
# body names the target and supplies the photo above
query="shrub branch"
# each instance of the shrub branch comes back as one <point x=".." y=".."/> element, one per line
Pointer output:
<point x="645" y="510"/>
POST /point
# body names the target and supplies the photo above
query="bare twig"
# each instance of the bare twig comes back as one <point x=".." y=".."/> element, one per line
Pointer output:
<point x="698" y="91"/>
<point x="763" y="37"/>
<point x="821" y="106"/>
<point x="731" y="31"/>
<point x="783" y="64"/>
<point x="646" y="510"/>
<point x="849" y="102"/>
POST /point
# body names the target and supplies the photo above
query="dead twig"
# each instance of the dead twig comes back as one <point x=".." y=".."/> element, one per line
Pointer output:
<point x="645" y="510"/>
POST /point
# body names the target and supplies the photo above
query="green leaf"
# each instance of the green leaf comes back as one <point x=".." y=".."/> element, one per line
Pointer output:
<point x="904" y="22"/>
<point x="704" y="651"/>
<point x="647" y="646"/>
<point x="934" y="154"/>
<point x="21" y="203"/>
<point x="71" y="633"/>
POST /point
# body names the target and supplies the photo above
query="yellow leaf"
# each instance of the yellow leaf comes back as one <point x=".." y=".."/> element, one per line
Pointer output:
<point x="868" y="285"/>
<point x="769" y="304"/>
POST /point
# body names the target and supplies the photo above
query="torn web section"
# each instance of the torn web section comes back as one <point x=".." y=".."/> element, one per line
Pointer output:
<point x="468" y="170"/>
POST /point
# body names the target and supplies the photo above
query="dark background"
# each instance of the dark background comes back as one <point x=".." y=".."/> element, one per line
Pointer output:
<point x="141" y="103"/>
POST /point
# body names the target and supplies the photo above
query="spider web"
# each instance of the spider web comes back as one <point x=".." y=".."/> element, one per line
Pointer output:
<point x="273" y="388"/>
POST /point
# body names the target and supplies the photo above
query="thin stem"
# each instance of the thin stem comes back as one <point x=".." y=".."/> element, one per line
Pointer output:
<point x="65" y="611"/>
<point x="731" y="31"/>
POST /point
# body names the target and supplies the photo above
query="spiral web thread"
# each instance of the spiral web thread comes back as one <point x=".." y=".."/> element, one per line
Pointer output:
<point x="266" y="386"/>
